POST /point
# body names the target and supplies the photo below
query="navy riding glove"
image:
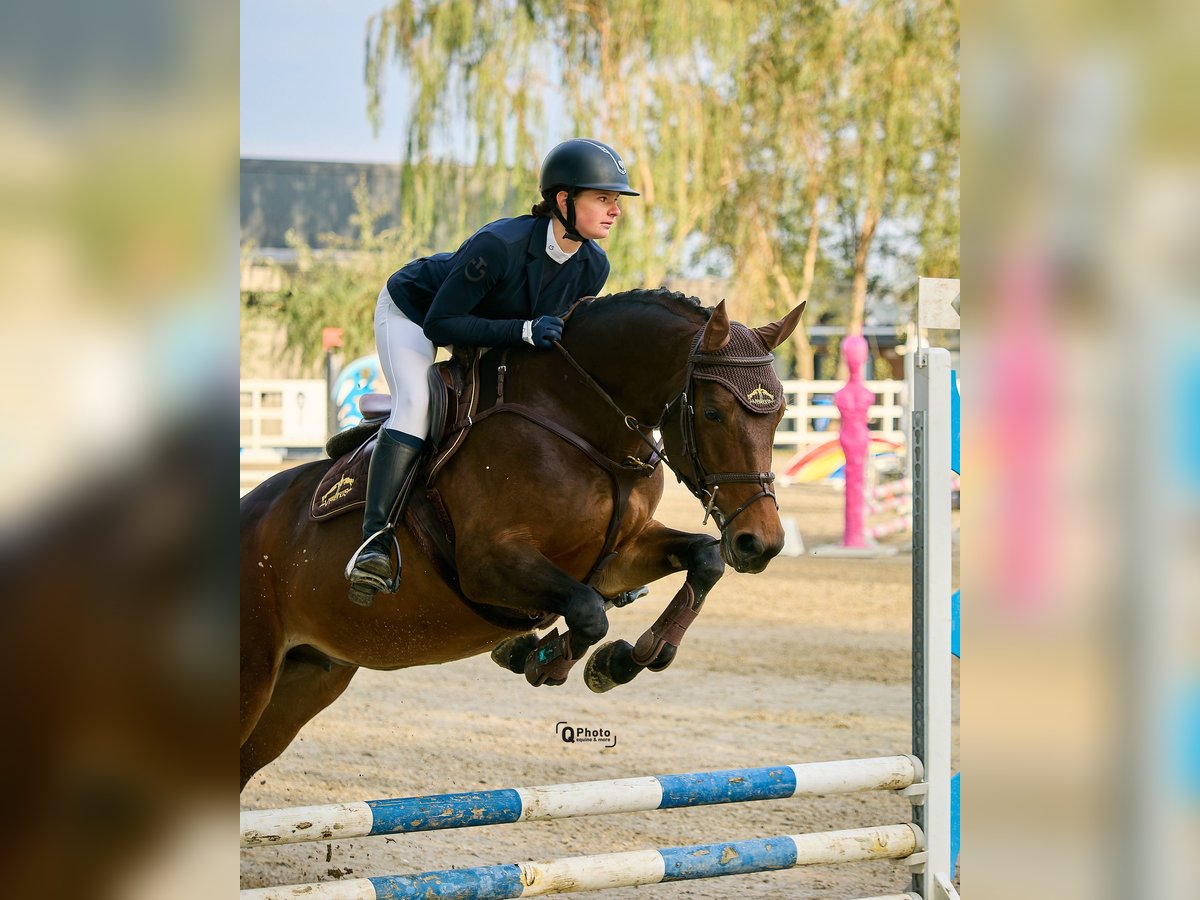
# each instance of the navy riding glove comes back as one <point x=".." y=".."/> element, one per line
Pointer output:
<point x="544" y="331"/>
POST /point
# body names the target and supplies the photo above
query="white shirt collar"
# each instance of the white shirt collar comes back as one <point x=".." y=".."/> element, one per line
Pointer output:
<point x="555" y="252"/>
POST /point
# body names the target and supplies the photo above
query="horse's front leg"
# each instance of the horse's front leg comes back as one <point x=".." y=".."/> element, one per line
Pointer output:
<point x="515" y="574"/>
<point x="658" y="551"/>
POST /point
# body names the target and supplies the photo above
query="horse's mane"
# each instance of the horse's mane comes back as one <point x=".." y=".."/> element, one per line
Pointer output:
<point x="651" y="296"/>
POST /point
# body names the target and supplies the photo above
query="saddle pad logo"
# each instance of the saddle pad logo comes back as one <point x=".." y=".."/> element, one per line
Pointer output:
<point x="340" y="489"/>
<point x="761" y="396"/>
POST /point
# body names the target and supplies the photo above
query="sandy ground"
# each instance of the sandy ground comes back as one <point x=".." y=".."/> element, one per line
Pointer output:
<point x="804" y="662"/>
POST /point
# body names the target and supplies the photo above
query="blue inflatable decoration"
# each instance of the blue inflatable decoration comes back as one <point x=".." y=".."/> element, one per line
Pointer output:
<point x="362" y="376"/>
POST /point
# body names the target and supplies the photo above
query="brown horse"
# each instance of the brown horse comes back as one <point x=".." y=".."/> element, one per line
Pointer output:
<point x="552" y="510"/>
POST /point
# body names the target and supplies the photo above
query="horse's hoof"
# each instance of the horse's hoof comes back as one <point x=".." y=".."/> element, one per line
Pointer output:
<point x="626" y="597"/>
<point x="665" y="657"/>
<point x="512" y="652"/>
<point x="610" y="665"/>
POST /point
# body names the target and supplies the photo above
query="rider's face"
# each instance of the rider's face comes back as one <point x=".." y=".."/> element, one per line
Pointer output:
<point x="595" y="212"/>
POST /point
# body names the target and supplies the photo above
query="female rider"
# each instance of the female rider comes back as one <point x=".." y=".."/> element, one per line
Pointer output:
<point x="508" y="284"/>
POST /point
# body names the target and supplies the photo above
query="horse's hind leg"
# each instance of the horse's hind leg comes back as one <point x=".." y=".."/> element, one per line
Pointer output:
<point x="302" y="690"/>
<point x="658" y="551"/>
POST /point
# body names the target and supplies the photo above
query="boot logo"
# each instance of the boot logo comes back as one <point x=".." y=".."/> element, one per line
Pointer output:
<point x="761" y="396"/>
<point x="340" y="489"/>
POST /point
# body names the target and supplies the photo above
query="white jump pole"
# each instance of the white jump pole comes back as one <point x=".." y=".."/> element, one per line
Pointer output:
<point x="562" y="801"/>
<point x="609" y="870"/>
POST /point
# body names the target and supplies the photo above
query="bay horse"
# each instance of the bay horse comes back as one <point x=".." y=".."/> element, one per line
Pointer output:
<point x="552" y="512"/>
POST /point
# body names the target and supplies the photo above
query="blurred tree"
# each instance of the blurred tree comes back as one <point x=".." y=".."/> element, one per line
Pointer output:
<point x="337" y="285"/>
<point x="773" y="143"/>
<point x="655" y="80"/>
<point x="899" y="132"/>
<point x="770" y="223"/>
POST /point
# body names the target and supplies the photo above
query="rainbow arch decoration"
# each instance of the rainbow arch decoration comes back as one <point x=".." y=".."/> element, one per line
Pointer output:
<point x="827" y="462"/>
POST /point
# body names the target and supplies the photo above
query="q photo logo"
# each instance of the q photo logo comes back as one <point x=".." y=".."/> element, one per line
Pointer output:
<point x="582" y="734"/>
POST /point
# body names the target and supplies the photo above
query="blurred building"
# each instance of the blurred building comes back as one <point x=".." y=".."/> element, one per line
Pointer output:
<point x="312" y="198"/>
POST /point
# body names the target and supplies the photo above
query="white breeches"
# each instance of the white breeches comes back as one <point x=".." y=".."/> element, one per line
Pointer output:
<point x="405" y="355"/>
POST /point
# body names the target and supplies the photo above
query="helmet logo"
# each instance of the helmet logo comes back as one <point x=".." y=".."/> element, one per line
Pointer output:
<point x="616" y="159"/>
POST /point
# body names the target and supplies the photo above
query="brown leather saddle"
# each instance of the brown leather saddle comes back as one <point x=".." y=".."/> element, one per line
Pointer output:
<point x="456" y="386"/>
<point x="451" y="386"/>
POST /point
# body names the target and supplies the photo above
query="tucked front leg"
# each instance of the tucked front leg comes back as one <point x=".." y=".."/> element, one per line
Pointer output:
<point x="517" y="575"/>
<point x="658" y="552"/>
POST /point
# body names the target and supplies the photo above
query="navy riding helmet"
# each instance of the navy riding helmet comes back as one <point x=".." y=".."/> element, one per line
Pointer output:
<point x="582" y="164"/>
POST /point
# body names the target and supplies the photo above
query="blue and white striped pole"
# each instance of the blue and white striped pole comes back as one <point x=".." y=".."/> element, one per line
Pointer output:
<point x="561" y="801"/>
<point x="593" y="873"/>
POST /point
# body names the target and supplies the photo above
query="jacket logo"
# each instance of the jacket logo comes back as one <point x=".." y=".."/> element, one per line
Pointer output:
<point x="476" y="269"/>
<point x="339" y="490"/>
<point x="761" y="396"/>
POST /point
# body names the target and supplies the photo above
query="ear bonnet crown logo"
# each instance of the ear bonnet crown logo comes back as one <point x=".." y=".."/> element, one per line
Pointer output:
<point x="761" y="396"/>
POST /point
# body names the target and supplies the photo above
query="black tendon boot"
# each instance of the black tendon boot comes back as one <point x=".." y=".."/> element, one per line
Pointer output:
<point x="391" y="463"/>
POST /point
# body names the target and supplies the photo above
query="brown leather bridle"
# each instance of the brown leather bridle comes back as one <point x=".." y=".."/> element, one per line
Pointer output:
<point x="703" y="484"/>
<point x="701" y="481"/>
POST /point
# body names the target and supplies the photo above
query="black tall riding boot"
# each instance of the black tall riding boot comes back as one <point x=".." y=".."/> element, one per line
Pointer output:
<point x="391" y="463"/>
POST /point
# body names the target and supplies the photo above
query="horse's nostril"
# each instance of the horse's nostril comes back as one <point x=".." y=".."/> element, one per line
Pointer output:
<point x="748" y="545"/>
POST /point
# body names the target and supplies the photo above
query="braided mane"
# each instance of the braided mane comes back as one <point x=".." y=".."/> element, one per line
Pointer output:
<point x="657" y="296"/>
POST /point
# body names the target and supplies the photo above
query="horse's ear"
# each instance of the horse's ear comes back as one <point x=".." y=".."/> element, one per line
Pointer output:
<point x="777" y="332"/>
<point x="716" y="332"/>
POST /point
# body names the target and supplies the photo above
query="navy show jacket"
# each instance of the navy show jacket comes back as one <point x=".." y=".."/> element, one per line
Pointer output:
<point x="482" y="294"/>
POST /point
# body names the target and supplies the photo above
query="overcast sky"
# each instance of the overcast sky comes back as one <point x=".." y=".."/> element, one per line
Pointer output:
<point x="302" y="94"/>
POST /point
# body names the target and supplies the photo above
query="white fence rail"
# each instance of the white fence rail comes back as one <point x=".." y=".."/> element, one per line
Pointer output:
<point x="808" y="422"/>
<point x="279" y="414"/>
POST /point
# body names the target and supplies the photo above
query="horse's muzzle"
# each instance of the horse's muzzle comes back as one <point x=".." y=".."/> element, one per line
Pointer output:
<point x="747" y="551"/>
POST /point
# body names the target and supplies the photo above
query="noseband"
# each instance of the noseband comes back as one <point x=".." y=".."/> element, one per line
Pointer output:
<point x="703" y="485"/>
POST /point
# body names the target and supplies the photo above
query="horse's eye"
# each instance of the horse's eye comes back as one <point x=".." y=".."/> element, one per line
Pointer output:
<point x="710" y="413"/>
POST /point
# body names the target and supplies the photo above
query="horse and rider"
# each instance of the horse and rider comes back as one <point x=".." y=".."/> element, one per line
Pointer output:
<point x="544" y="502"/>
<point x="510" y="282"/>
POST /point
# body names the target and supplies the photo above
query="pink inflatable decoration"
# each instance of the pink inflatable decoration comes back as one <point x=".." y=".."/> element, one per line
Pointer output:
<point x="852" y="402"/>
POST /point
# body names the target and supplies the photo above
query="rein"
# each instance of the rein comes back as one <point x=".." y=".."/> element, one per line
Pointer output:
<point x="701" y="481"/>
<point x="630" y="422"/>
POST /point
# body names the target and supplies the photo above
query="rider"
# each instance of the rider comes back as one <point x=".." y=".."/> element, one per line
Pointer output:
<point x="508" y="284"/>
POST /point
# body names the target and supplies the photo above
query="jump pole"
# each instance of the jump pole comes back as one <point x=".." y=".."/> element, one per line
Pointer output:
<point x="593" y="873"/>
<point x="562" y="801"/>
<point x="930" y="454"/>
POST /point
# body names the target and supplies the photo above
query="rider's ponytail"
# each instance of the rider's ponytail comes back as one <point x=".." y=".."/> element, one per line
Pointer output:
<point x="544" y="208"/>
